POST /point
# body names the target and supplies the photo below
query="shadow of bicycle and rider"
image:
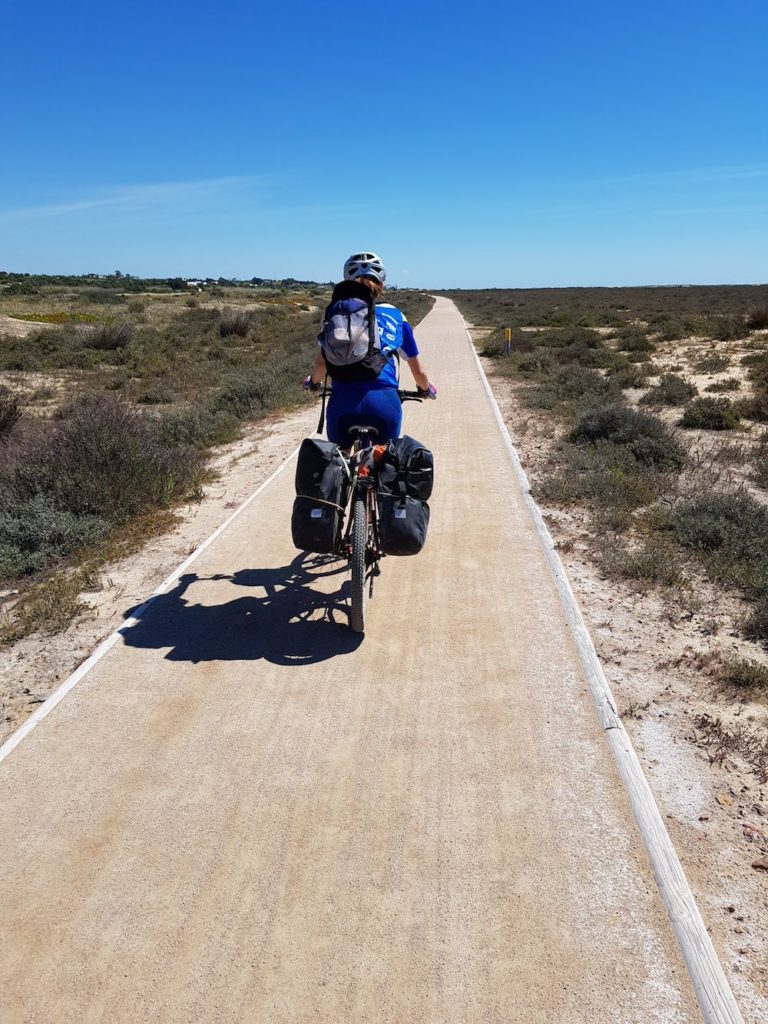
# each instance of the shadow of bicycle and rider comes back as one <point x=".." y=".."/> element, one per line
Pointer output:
<point x="281" y="616"/>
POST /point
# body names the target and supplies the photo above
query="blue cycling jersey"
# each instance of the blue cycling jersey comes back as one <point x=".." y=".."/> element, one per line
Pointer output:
<point x="396" y="333"/>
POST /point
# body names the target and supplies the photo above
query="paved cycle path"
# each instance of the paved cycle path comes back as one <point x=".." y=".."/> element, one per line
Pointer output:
<point x="245" y="814"/>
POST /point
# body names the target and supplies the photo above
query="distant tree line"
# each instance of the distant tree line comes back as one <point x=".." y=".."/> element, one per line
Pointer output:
<point x="30" y="284"/>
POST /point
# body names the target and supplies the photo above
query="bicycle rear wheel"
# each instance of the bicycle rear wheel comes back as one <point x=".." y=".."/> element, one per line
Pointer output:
<point x="359" y="545"/>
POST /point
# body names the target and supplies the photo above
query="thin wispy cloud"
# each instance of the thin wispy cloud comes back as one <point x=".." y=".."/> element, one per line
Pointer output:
<point x="132" y="198"/>
<point x="686" y="176"/>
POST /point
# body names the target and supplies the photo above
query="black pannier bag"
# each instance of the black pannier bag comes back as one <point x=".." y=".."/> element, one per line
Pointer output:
<point x="321" y="496"/>
<point x="406" y="475"/>
<point x="408" y="463"/>
<point x="403" y="523"/>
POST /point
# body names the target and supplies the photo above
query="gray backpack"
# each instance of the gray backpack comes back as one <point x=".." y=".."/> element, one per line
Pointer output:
<point x="350" y="337"/>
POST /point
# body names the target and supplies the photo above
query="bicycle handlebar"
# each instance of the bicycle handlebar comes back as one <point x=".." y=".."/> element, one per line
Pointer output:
<point x="404" y="396"/>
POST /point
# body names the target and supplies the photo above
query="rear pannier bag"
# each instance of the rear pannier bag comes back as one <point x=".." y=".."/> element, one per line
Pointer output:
<point x="406" y="475"/>
<point x="407" y="467"/>
<point x="403" y="523"/>
<point x="321" y="496"/>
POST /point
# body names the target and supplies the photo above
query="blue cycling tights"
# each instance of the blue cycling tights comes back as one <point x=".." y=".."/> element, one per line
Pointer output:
<point x="355" y="404"/>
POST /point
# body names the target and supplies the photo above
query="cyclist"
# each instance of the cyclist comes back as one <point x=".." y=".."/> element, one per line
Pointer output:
<point x="374" y="403"/>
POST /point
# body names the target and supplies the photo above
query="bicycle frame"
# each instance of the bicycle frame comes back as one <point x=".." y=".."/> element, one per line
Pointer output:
<point x="362" y="485"/>
<point x="359" y="540"/>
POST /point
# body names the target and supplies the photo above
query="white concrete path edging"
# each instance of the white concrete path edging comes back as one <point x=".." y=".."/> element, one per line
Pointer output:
<point x="106" y="645"/>
<point x="716" y="1000"/>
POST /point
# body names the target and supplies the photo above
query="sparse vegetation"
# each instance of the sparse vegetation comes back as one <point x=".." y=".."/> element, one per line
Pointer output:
<point x="571" y="387"/>
<point x="109" y="337"/>
<point x="710" y="414"/>
<point x="47" y="607"/>
<point x="632" y="375"/>
<point x="644" y="436"/>
<point x="10" y="412"/>
<point x="729" y="534"/>
<point x="757" y="318"/>
<point x="680" y="511"/>
<point x="754" y="408"/>
<point x="728" y="384"/>
<point x="712" y="363"/>
<point x="652" y="562"/>
<point x="756" y="622"/>
<point x="671" y="390"/>
<point x="634" y="339"/>
<point x="235" y="322"/>
<point x="746" y="674"/>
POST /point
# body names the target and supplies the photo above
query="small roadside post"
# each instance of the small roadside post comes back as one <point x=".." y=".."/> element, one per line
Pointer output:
<point x="507" y="340"/>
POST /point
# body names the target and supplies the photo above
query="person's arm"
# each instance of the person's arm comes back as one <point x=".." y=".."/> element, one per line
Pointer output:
<point x="411" y="352"/>
<point x="418" y="371"/>
<point x="318" y="368"/>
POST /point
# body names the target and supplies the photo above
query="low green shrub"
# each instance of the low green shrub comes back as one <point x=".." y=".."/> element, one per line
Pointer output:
<point x="572" y="385"/>
<point x="572" y="335"/>
<point x="759" y="473"/>
<point x="634" y="339"/>
<point x="495" y="343"/>
<point x="606" y="477"/>
<point x="20" y="288"/>
<point x="757" y="318"/>
<point x="653" y="561"/>
<point x="632" y="375"/>
<point x="729" y="532"/>
<point x="644" y="436"/>
<point x="102" y="296"/>
<point x="10" y="411"/>
<point x="755" y="625"/>
<point x="34" y="533"/>
<point x="157" y="395"/>
<point x="710" y="414"/>
<point x="746" y="674"/>
<point x="535" y="363"/>
<point x="235" y="322"/>
<point x="713" y="363"/>
<point x="668" y="328"/>
<point x="728" y="384"/>
<point x="724" y="327"/>
<point x="198" y="427"/>
<point x="108" y="337"/>
<point x="243" y="397"/>
<point x="671" y="390"/>
<point x="103" y="458"/>
<point x="754" y="408"/>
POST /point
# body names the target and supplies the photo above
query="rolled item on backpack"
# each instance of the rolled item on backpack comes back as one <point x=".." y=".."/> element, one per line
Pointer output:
<point x="322" y="487"/>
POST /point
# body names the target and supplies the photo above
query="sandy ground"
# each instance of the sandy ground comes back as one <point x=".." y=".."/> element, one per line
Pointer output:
<point x="660" y="651"/>
<point x="19" y="328"/>
<point x="244" y="813"/>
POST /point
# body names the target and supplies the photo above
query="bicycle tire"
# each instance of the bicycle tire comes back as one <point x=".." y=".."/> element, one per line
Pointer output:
<point x="359" y="545"/>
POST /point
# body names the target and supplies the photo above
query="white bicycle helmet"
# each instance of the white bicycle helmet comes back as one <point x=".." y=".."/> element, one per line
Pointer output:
<point x="364" y="264"/>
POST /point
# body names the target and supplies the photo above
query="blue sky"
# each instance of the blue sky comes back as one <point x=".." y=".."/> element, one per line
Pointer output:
<point x="494" y="145"/>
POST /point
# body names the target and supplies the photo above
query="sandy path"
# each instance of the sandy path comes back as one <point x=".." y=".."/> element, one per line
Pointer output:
<point x="244" y="814"/>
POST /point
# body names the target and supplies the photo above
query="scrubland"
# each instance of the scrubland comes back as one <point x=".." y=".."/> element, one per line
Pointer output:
<point x="641" y="418"/>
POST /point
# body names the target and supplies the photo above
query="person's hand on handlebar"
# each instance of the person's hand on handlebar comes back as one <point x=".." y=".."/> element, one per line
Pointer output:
<point x="430" y="391"/>
<point x="309" y="385"/>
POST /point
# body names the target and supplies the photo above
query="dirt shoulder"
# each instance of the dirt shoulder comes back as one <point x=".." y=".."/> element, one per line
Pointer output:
<point x="661" y="651"/>
<point x="33" y="667"/>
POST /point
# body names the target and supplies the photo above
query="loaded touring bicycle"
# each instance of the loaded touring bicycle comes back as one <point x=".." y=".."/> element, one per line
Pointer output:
<point x="363" y="504"/>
